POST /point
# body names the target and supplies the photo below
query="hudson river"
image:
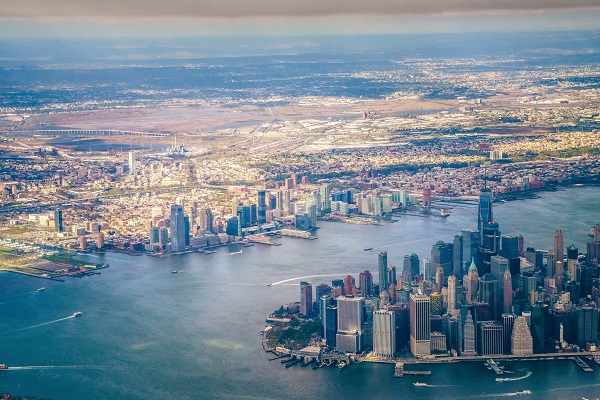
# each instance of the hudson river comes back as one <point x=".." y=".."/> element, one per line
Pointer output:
<point x="147" y="333"/>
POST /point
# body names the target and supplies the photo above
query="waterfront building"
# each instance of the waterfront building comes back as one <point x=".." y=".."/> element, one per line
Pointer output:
<point x="350" y="323"/>
<point x="177" y="228"/>
<point x="420" y="334"/>
<point x="383" y="276"/>
<point x="330" y="325"/>
<point x="438" y="342"/>
<point x="325" y="191"/>
<point x="262" y="207"/>
<point x="489" y="338"/>
<point x="100" y="240"/>
<point x="234" y="226"/>
<point x="305" y="298"/>
<point x="58" y="221"/>
<point x="521" y="339"/>
<point x="163" y="237"/>
<point x="540" y="322"/>
<point x="587" y="324"/>
<point x="508" y="321"/>
<point x="324" y="302"/>
<point x="384" y="333"/>
<point x="82" y="243"/>
<point x="466" y="332"/>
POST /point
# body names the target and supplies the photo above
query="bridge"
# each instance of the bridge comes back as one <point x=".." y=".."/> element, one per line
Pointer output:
<point x="96" y="132"/>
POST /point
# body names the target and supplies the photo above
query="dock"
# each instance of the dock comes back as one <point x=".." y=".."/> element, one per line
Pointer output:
<point x="494" y="366"/>
<point x="399" y="371"/>
<point x="582" y="364"/>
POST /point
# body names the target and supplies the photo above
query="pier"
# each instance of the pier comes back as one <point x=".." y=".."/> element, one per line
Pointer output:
<point x="494" y="366"/>
<point x="582" y="364"/>
<point x="399" y="371"/>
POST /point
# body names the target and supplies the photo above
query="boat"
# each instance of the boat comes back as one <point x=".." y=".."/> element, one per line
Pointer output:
<point x="527" y="391"/>
<point x="342" y="365"/>
<point x="174" y="271"/>
<point x="3" y="366"/>
<point x="77" y="314"/>
<point x="419" y="384"/>
<point x="236" y="252"/>
<point x="368" y="248"/>
<point x="41" y="289"/>
<point x="269" y="284"/>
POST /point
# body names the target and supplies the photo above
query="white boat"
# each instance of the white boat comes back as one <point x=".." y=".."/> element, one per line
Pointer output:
<point x="41" y="289"/>
<point x="236" y="252"/>
<point x="419" y="384"/>
<point x="77" y="314"/>
<point x="524" y="392"/>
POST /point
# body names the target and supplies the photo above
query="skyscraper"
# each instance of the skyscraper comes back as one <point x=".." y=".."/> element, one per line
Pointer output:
<point x="384" y="333"/>
<point x="305" y="298"/>
<point x="457" y="254"/>
<point x="177" y="228"/>
<point x="521" y="339"/>
<point x="451" y="294"/>
<point x="350" y="323"/>
<point x="508" y="321"/>
<point x="411" y="266"/>
<point x="383" y="276"/>
<point x="436" y="303"/>
<point x="441" y="256"/>
<point x="262" y="207"/>
<point x="420" y="334"/>
<point x="325" y="191"/>
<point x="348" y="285"/>
<point x="559" y="245"/>
<point x="472" y="282"/>
<point x="489" y="338"/>
<point x="132" y="162"/>
<point x="510" y="247"/>
<point x="488" y="293"/>
<point x="485" y="213"/>
<point x="58" y="221"/>
<point x="206" y="220"/>
<point x="365" y="280"/>
<point x="507" y="292"/>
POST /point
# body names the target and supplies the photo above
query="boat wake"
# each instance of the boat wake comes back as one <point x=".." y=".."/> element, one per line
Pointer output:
<point x="527" y="375"/>
<point x="305" y="277"/>
<point x="34" y="367"/>
<point x="45" y="323"/>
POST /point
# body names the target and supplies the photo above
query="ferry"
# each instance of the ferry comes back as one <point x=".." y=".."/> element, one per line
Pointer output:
<point x="524" y="392"/>
<point x="41" y="289"/>
<point x="77" y="314"/>
<point x="3" y="366"/>
<point x="420" y="384"/>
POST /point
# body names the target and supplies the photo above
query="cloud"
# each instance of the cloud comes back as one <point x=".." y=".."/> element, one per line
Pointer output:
<point x="270" y="8"/>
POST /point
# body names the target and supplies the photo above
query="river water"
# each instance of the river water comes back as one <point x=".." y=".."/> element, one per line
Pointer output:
<point x="148" y="333"/>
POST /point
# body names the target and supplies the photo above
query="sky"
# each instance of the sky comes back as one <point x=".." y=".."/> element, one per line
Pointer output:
<point x="31" y="18"/>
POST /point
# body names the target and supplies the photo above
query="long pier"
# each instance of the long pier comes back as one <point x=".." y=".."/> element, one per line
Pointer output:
<point x="582" y="364"/>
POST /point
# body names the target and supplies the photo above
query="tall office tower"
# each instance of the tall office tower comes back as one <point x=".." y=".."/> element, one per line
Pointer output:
<point x="350" y="323"/>
<point x="177" y="228"/>
<point x="411" y="266"/>
<point x="131" y="162"/>
<point x="521" y="342"/>
<point x="324" y="302"/>
<point x="436" y="303"/>
<point x="558" y="275"/>
<point x="489" y="338"/>
<point x="498" y="266"/>
<point x="348" y="285"/>
<point x="245" y="214"/>
<point x="457" y="254"/>
<point x="510" y="247"/>
<point x="507" y="293"/>
<point x="539" y="327"/>
<point x="262" y="207"/>
<point x="279" y="200"/>
<point x="572" y="263"/>
<point x="391" y="272"/>
<point x="325" y="191"/>
<point x="58" y="221"/>
<point x="154" y="235"/>
<point x="305" y="298"/>
<point x="331" y="325"/>
<point x="206" y="220"/>
<point x="466" y="332"/>
<point x="472" y="282"/>
<point x="383" y="264"/>
<point x="384" y="333"/>
<point x="470" y="247"/>
<point x="100" y="240"/>
<point x="186" y="230"/>
<point x="551" y="264"/>
<point x="420" y="333"/>
<point x="508" y="321"/>
<point x="384" y="299"/>
<point x="488" y="293"/>
<point x="451" y="294"/>
<point x="439" y="278"/>
<point x="365" y="280"/>
<point x="163" y="238"/>
<point x="286" y="202"/>
<point x="426" y="269"/>
<point x="485" y="213"/>
<point x="441" y="256"/>
<point x="490" y="247"/>
<point x="587" y="324"/>
<point x="235" y="203"/>
<point x="559" y="245"/>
